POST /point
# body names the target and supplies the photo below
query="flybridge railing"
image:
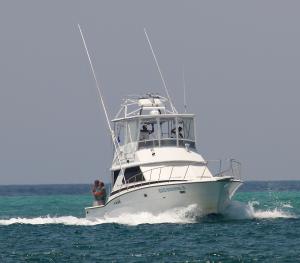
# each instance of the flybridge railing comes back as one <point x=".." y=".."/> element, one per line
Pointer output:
<point x="233" y="168"/>
<point x="166" y="142"/>
<point x="127" y="155"/>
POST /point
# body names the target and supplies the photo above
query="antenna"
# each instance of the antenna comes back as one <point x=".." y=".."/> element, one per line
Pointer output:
<point x="161" y="75"/>
<point x="184" y="91"/>
<point x="101" y="99"/>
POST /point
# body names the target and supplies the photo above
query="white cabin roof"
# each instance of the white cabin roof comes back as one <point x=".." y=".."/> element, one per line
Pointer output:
<point x="147" y="106"/>
<point x="151" y="116"/>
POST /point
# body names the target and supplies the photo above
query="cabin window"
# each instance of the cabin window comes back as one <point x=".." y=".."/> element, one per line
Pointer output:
<point x="167" y="131"/>
<point x="186" y="132"/>
<point x="148" y="133"/>
<point x="115" y="175"/>
<point x="186" y="129"/>
<point x="133" y="174"/>
<point x="119" y="132"/>
<point x="131" y="131"/>
<point x="162" y="131"/>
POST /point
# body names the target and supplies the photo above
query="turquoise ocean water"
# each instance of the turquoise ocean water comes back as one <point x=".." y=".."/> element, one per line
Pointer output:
<point x="46" y="224"/>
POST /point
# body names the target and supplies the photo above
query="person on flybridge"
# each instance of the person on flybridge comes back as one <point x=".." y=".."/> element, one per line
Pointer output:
<point x="173" y="133"/>
<point x="144" y="132"/>
<point x="99" y="192"/>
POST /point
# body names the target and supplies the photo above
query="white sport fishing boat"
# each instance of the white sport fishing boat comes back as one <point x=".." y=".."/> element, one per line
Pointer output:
<point x="156" y="165"/>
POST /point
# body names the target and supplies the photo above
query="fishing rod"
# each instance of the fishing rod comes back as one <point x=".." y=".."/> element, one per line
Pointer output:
<point x="160" y="73"/>
<point x="114" y="139"/>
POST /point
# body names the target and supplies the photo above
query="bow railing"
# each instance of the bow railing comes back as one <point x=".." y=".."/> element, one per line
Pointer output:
<point x="228" y="167"/>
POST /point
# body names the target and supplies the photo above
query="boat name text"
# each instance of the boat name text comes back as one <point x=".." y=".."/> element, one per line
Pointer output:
<point x="171" y="189"/>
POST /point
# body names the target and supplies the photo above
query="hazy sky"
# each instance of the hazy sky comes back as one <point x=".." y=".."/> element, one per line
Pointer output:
<point x="241" y="60"/>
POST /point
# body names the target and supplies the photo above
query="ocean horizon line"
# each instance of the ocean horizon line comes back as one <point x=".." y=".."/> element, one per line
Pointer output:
<point x="91" y="183"/>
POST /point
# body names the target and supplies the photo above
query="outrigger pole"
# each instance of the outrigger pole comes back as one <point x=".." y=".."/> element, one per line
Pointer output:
<point x="184" y="91"/>
<point x="160" y="73"/>
<point x="115" y="141"/>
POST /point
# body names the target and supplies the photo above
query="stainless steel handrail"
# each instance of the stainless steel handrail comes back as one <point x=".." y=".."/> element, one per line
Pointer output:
<point x="186" y="171"/>
<point x="234" y="171"/>
<point x="171" y="173"/>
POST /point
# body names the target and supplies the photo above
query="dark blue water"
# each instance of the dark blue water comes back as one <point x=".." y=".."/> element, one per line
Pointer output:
<point x="46" y="224"/>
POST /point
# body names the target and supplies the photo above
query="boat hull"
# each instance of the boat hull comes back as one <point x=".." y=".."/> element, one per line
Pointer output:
<point x="210" y="197"/>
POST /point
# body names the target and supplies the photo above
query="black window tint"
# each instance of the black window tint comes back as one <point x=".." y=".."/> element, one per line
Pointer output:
<point x="133" y="174"/>
<point x="115" y="173"/>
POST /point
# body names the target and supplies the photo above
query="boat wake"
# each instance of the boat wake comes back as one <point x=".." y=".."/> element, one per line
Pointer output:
<point x="191" y="214"/>
<point x="177" y="216"/>
<point x="239" y="210"/>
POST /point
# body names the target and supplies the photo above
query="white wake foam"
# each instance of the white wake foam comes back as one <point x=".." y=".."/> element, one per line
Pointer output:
<point x="190" y="214"/>
<point x="178" y="216"/>
<point x="239" y="210"/>
<point x="66" y="220"/>
<point x="287" y="205"/>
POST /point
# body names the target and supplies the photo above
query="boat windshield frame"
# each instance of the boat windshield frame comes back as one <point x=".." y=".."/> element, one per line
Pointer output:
<point x="162" y="130"/>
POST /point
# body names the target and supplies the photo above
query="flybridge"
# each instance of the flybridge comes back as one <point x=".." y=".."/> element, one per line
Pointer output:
<point x="147" y="121"/>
